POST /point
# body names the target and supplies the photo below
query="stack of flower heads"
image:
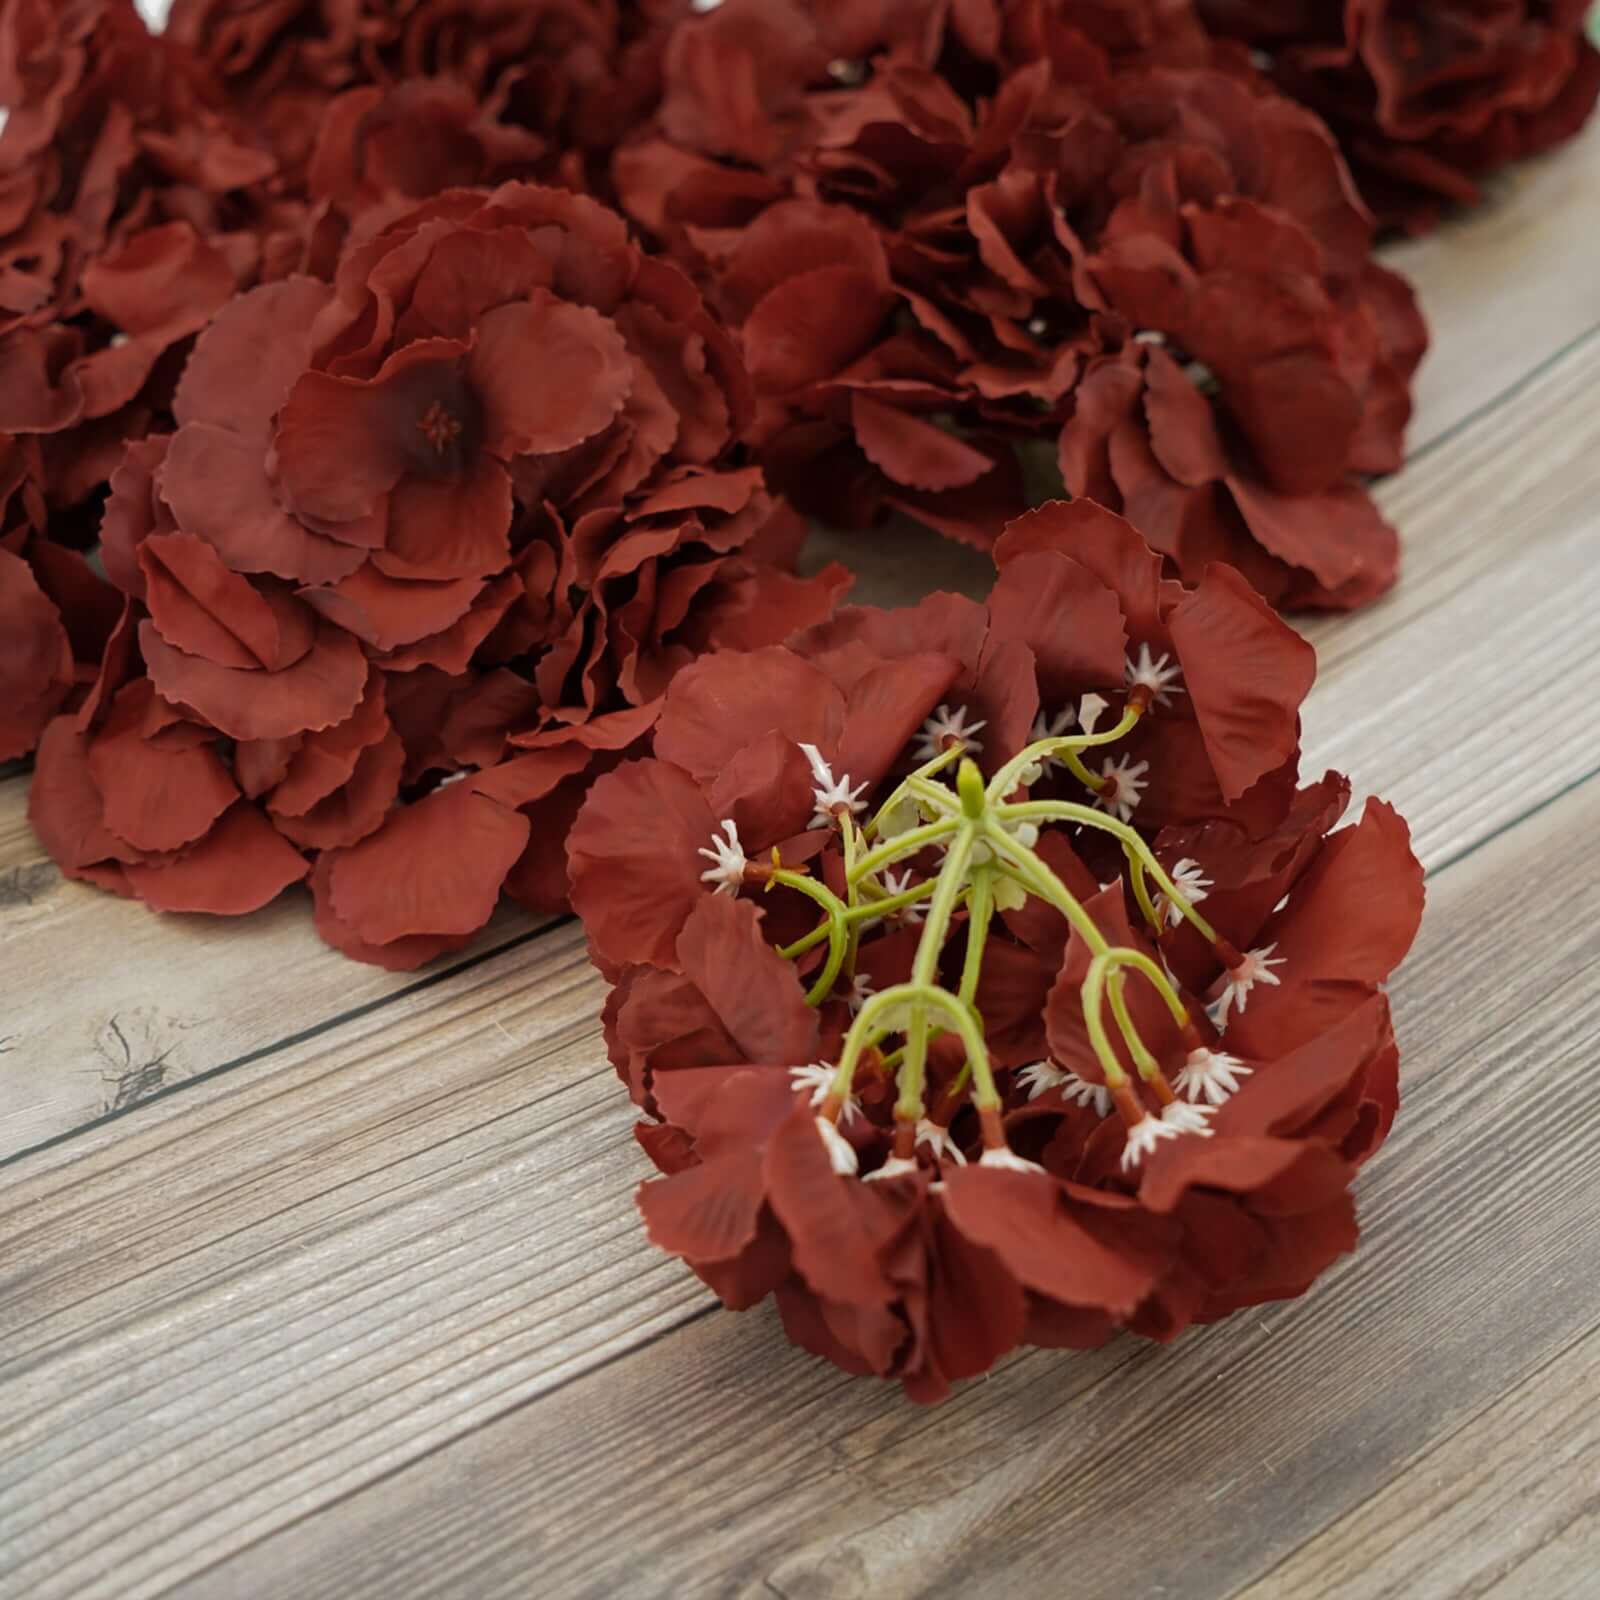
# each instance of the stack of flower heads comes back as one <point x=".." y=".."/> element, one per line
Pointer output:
<point x="962" y="244"/>
<point x="987" y="974"/>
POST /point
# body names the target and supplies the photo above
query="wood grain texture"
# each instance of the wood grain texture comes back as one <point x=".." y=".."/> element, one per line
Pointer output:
<point x="722" y="1462"/>
<point x="365" y="1244"/>
<point x="303" y="1272"/>
<point x="139" y="1012"/>
<point x="1524" y="1467"/>
<point x="1470" y="694"/>
<point x="103" y="1004"/>
<point x="363" y="1308"/>
<point x="1502" y="286"/>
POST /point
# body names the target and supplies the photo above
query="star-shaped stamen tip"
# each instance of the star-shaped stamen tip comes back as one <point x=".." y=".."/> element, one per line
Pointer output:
<point x="898" y="883"/>
<point x="818" y="1078"/>
<point x="1254" y="967"/>
<point x="946" y="724"/>
<point x="1157" y="676"/>
<point x="727" y="859"/>
<point x="1143" y="1137"/>
<point x="1007" y="1160"/>
<point x="842" y="1155"/>
<point x="1123" y="783"/>
<point x="935" y="1138"/>
<point x="1211" y="1075"/>
<point x="862" y="989"/>
<point x="1189" y="879"/>
<point x="1189" y="1119"/>
<point x="831" y="795"/>
<point x="1043" y="1076"/>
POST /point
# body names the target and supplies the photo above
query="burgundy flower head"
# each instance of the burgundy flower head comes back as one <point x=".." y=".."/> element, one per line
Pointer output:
<point x="1426" y="99"/>
<point x="991" y="232"/>
<point x="1077" y="1043"/>
<point x="56" y="614"/>
<point x="420" y="557"/>
<point x="130" y="209"/>
<point x="558" y="74"/>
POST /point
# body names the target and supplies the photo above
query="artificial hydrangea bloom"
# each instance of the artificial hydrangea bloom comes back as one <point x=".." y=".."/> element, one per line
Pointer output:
<point x="420" y="556"/>
<point x="918" y="1199"/>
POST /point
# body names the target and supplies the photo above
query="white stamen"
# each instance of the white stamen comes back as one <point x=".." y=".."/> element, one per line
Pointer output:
<point x="818" y="1078"/>
<point x="704" y="5"/>
<point x="1043" y="1076"/>
<point x="1189" y="879"/>
<point x="1007" y="1160"/>
<point x="894" y="1167"/>
<point x="898" y="883"/>
<point x="1143" y="1137"/>
<point x="1188" y="1119"/>
<point x="1149" y="336"/>
<point x="862" y="989"/>
<point x="841" y="1153"/>
<point x="727" y="858"/>
<point x="830" y="791"/>
<point x="1058" y="726"/>
<point x="1255" y="967"/>
<point x="1126" y="789"/>
<point x="1038" y="327"/>
<point x="1211" y="1075"/>
<point x="1154" y="675"/>
<point x="846" y="72"/>
<point x="1046" y="726"/>
<point x="938" y="1142"/>
<point x="946" y="724"/>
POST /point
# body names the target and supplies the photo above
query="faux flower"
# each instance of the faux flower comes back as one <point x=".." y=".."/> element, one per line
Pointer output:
<point x="132" y="209"/>
<point x="933" y="1065"/>
<point x="764" y="752"/>
<point x="549" y="70"/>
<point x="56" y="614"/>
<point x="964" y="245"/>
<point x="1427" y="99"/>
<point x="424" y="551"/>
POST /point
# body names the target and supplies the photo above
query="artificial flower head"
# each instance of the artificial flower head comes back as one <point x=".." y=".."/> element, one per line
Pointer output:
<point x="1029" y="1092"/>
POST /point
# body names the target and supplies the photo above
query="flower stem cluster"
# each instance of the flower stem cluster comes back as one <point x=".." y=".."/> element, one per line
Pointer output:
<point x="979" y="826"/>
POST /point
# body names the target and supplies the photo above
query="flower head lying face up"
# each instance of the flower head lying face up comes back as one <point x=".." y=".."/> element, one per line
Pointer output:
<point x="460" y="514"/>
<point x="934" y="1064"/>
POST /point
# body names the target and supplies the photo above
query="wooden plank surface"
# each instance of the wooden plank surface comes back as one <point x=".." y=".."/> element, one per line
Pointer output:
<point x="1525" y="1467"/>
<point x="107" y="1005"/>
<point x="364" y="1246"/>
<point x="719" y="1461"/>
<point x="96" y="1035"/>
<point x="355" y="1302"/>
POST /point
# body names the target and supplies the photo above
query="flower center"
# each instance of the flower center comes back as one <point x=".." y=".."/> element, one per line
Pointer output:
<point x="439" y="428"/>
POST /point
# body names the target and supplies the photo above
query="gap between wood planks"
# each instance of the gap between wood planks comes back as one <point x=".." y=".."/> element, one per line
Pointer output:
<point x="731" y="1445"/>
<point x="141" y="1051"/>
<point x="1515" y="499"/>
<point x="221" y="1300"/>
